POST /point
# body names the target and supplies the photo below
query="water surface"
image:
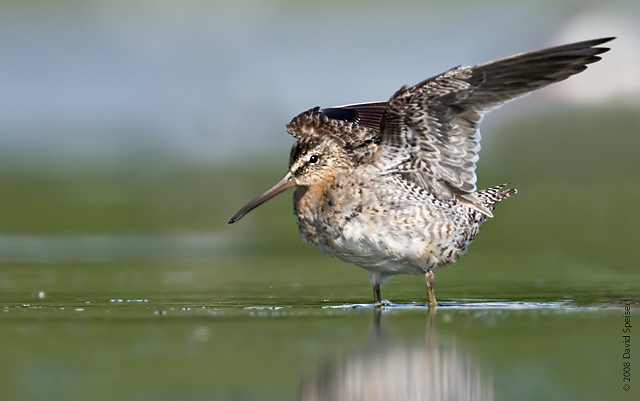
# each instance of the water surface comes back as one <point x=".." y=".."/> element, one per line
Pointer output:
<point x="100" y="331"/>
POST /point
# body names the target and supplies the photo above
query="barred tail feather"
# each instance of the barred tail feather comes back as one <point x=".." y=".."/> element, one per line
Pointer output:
<point x="490" y="197"/>
<point x="485" y="201"/>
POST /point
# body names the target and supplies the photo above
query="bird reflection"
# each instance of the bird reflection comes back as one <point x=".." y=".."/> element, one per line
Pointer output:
<point x="396" y="369"/>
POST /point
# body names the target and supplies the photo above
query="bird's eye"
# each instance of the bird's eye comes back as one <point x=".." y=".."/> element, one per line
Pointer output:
<point x="313" y="159"/>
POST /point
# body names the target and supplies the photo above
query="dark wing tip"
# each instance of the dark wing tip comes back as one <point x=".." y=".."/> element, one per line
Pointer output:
<point x="595" y="42"/>
<point x="588" y="49"/>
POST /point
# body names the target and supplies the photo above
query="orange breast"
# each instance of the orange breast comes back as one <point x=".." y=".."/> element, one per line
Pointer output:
<point x="311" y="198"/>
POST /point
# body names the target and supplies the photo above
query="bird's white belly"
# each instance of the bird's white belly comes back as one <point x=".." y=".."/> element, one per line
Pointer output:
<point x="378" y="247"/>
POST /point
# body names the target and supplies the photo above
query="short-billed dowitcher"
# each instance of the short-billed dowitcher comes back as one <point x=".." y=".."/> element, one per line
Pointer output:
<point x="391" y="186"/>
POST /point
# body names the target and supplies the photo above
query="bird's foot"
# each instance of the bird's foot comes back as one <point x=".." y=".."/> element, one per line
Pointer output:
<point x="381" y="303"/>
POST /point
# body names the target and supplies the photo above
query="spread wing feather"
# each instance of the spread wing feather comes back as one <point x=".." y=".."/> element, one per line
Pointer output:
<point x="430" y="131"/>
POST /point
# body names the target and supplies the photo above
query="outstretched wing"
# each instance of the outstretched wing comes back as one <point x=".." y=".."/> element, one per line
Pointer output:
<point x="430" y="131"/>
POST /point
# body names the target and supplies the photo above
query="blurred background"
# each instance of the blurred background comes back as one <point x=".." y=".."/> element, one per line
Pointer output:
<point x="130" y="131"/>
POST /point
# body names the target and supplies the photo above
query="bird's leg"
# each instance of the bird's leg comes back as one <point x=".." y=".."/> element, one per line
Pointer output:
<point x="431" y="296"/>
<point x="376" y="294"/>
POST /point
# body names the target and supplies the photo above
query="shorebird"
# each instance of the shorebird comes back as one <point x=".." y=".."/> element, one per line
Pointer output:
<point x="391" y="186"/>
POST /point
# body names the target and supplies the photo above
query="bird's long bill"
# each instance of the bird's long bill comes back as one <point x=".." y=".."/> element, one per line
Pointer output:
<point x="285" y="183"/>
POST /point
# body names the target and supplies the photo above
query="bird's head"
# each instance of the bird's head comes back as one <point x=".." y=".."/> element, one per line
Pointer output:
<point x="313" y="160"/>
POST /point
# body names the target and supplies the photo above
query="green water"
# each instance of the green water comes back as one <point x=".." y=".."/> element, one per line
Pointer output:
<point x="127" y="283"/>
<point x="197" y="346"/>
